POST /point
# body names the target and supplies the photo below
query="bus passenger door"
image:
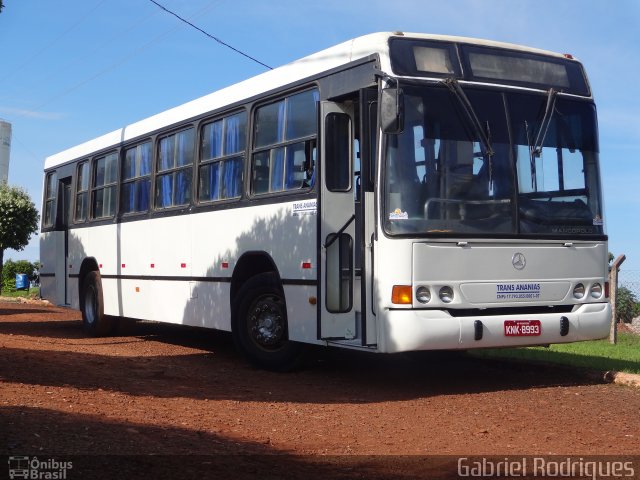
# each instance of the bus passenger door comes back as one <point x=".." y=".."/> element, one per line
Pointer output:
<point x="56" y="258"/>
<point x="64" y="199"/>
<point x="338" y="301"/>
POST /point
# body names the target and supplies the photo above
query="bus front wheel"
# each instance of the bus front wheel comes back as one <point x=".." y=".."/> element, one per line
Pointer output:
<point x="260" y="329"/>
<point x="94" y="321"/>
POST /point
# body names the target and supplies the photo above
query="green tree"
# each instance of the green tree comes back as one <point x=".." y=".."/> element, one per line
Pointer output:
<point x="627" y="306"/>
<point x="11" y="268"/>
<point x="1" y="5"/>
<point x="18" y="220"/>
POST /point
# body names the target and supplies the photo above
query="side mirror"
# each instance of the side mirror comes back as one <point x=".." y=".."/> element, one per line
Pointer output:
<point x="392" y="110"/>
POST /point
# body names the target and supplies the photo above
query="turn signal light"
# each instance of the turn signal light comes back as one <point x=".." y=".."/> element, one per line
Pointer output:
<point x="401" y="294"/>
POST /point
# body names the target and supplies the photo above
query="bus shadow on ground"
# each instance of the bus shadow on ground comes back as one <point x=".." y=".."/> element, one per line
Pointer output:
<point x="65" y="329"/>
<point x="206" y="366"/>
<point x="104" y="448"/>
<point x="21" y="311"/>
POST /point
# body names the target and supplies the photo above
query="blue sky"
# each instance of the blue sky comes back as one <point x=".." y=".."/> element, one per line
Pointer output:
<point x="76" y="69"/>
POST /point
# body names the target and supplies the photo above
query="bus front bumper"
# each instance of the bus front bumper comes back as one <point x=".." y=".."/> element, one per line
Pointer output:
<point x="407" y="330"/>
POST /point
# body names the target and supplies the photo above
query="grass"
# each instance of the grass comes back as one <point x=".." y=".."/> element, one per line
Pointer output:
<point x="594" y="355"/>
<point x="12" y="293"/>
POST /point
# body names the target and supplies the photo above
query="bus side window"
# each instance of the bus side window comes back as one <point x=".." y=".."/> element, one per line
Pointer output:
<point x="105" y="178"/>
<point x="222" y="147"/>
<point x="50" y="199"/>
<point x="82" y="192"/>
<point x="338" y="152"/>
<point x="261" y="172"/>
<point x="136" y="179"/>
<point x="285" y="142"/>
<point x="174" y="163"/>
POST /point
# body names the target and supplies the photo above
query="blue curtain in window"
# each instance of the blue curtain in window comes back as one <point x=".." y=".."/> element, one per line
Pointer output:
<point x="232" y="177"/>
<point x="165" y="157"/>
<point x="183" y="149"/>
<point x="277" y="169"/>
<point x="164" y="188"/>
<point x="143" y="187"/>
<point x="277" y="154"/>
<point x="130" y="188"/>
<point x="281" y="121"/>
<point x="129" y="169"/>
<point x="129" y="197"/>
<point x="214" y="183"/>
<point x="295" y="163"/>
<point x="183" y="187"/>
<point x="145" y="159"/>
<point x="234" y="143"/>
<point x="234" y="137"/>
<point x="213" y="142"/>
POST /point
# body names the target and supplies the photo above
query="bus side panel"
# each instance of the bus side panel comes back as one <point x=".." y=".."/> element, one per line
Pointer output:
<point x="220" y="238"/>
<point x="53" y="268"/>
<point x="301" y="313"/>
<point x="208" y="305"/>
<point x="100" y="243"/>
<point x="78" y="250"/>
<point x="178" y="269"/>
<point x="153" y="255"/>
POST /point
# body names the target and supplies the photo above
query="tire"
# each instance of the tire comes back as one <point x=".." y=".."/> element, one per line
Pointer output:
<point x="94" y="321"/>
<point x="259" y="325"/>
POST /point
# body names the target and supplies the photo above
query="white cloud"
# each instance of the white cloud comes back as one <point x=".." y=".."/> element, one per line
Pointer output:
<point x="34" y="114"/>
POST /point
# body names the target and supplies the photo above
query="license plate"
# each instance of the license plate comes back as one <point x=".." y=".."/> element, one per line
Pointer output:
<point x="522" y="328"/>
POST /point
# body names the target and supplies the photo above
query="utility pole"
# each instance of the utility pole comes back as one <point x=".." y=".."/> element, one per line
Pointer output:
<point x="613" y="286"/>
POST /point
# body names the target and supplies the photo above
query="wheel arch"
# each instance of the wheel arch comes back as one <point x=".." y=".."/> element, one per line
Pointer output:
<point x="89" y="264"/>
<point x="249" y="265"/>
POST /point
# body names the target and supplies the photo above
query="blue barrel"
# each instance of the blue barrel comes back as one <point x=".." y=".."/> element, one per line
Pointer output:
<point x="22" y="281"/>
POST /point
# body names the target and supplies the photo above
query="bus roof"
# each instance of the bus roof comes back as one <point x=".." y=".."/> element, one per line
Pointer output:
<point x="351" y="50"/>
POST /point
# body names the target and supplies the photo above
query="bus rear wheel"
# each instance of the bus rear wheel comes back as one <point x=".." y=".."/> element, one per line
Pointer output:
<point x="260" y="329"/>
<point x="94" y="321"/>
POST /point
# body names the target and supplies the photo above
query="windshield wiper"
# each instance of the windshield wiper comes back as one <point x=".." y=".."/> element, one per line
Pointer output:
<point x="536" y="149"/>
<point x="455" y="88"/>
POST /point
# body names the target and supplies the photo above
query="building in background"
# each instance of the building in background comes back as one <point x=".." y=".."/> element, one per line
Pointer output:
<point x="5" y="150"/>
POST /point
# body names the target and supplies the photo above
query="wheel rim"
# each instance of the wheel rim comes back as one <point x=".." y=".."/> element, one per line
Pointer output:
<point x="266" y="322"/>
<point x="90" y="306"/>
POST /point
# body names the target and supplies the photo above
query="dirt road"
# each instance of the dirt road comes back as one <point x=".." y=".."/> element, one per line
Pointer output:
<point x="165" y="390"/>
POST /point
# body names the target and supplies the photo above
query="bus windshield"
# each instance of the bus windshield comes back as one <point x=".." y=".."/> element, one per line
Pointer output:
<point x="527" y="165"/>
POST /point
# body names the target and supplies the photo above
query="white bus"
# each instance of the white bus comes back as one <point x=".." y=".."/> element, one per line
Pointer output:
<point x="395" y="192"/>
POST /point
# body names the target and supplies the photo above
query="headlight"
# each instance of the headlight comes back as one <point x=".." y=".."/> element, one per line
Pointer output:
<point x="596" y="290"/>
<point x="446" y="294"/>
<point x="423" y="294"/>
<point x="578" y="291"/>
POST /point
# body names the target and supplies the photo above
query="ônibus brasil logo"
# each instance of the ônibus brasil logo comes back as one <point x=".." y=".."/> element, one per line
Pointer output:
<point x="33" y="468"/>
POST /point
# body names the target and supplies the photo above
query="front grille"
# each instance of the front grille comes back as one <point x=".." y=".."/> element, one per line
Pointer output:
<point x="481" y="312"/>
